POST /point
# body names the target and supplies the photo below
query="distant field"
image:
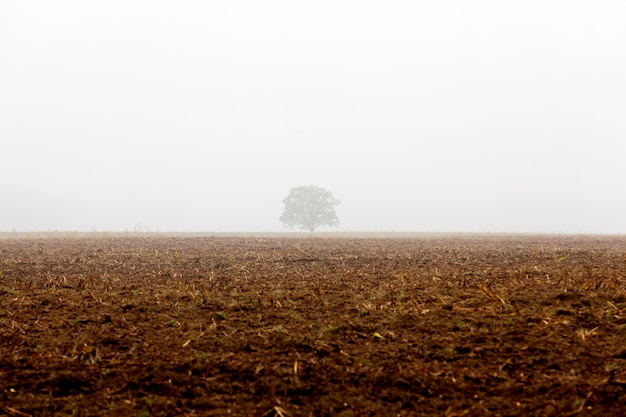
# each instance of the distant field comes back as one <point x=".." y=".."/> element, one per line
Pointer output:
<point x="293" y="324"/>
<point x="294" y="235"/>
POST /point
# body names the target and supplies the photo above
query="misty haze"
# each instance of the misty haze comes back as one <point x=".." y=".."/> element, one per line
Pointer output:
<point x="441" y="116"/>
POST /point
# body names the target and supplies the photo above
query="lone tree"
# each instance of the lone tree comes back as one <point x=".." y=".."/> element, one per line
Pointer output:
<point x="309" y="207"/>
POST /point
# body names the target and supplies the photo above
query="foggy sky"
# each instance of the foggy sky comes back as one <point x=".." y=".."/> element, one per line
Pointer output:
<point x="481" y="116"/>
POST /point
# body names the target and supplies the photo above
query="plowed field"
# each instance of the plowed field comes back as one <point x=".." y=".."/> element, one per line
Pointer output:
<point x="263" y="326"/>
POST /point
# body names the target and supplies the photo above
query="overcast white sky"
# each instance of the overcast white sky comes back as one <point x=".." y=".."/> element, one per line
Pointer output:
<point x="472" y="116"/>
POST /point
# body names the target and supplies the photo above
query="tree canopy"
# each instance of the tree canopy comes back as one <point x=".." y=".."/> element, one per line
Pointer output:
<point x="309" y="207"/>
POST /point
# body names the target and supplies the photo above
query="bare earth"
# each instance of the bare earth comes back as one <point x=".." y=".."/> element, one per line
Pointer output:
<point x="263" y="326"/>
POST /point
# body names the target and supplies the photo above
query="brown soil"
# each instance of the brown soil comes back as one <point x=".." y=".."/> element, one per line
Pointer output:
<point x="313" y="326"/>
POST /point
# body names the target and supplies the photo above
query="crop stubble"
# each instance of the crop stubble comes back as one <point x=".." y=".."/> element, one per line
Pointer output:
<point x="466" y="325"/>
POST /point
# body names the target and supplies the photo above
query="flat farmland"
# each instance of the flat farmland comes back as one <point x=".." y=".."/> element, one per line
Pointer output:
<point x="284" y="326"/>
